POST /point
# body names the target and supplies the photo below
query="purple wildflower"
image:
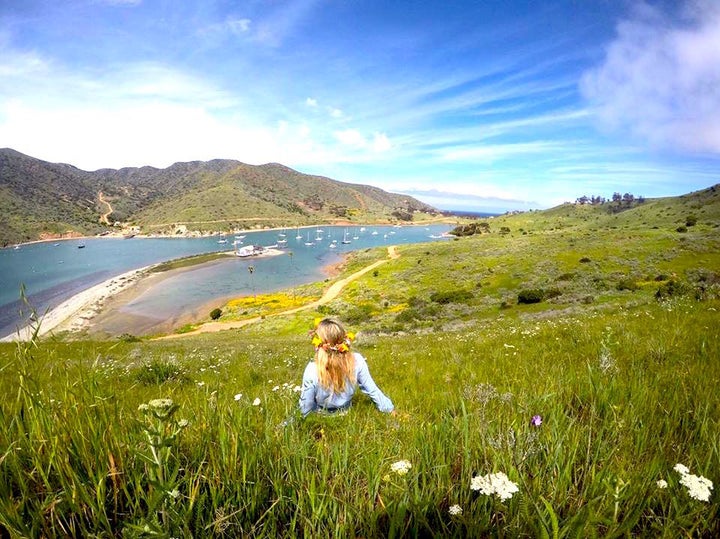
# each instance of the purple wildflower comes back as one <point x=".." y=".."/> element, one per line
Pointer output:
<point x="536" y="421"/>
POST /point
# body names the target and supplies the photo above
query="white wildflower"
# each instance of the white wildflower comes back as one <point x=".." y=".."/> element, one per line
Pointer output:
<point x="276" y="388"/>
<point x="401" y="467"/>
<point x="661" y="483"/>
<point x="200" y="384"/>
<point x="238" y="396"/>
<point x="161" y="404"/>
<point x="455" y="510"/>
<point x="497" y="483"/>
<point x="143" y="408"/>
<point x="698" y="487"/>
<point x="681" y="469"/>
<point x="256" y="402"/>
<point x="174" y="494"/>
<point x="183" y="423"/>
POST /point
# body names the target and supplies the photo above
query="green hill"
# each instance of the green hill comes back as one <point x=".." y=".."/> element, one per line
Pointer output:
<point x="573" y="350"/>
<point x="44" y="199"/>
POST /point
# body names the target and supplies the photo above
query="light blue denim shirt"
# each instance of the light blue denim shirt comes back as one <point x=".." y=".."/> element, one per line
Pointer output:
<point x="314" y="397"/>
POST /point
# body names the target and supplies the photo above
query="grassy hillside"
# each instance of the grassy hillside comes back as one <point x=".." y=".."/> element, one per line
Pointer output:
<point x="618" y="358"/>
<point x="40" y="198"/>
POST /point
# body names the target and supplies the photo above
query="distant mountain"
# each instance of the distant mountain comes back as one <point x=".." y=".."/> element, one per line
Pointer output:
<point x="40" y="199"/>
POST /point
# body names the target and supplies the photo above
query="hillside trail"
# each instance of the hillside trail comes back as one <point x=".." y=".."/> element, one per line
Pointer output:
<point x="104" y="218"/>
<point x="330" y="294"/>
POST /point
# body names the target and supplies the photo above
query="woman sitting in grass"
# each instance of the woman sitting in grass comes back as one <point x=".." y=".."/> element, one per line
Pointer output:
<point x="330" y="380"/>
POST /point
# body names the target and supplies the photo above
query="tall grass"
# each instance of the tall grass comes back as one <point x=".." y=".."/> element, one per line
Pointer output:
<point x="86" y="451"/>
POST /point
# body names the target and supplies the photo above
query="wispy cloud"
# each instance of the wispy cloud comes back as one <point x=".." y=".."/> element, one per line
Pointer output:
<point x="660" y="80"/>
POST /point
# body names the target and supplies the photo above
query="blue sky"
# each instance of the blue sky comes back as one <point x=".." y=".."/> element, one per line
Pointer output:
<point x="486" y="105"/>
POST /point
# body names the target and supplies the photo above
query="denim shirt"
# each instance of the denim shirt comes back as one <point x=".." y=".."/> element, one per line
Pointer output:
<point x="315" y="397"/>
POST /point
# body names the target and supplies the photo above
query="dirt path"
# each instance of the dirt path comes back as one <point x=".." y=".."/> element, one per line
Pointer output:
<point x="329" y="295"/>
<point x="104" y="216"/>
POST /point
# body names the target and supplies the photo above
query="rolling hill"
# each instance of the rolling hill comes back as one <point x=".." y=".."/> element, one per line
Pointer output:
<point x="40" y="199"/>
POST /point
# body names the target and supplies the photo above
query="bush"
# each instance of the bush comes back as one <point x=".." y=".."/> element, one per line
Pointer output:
<point x="531" y="295"/>
<point x="627" y="284"/>
<point x="566" y="277"/>
<point x="585" y="260"/>
<point x="672" y="288"/>
<point x="682" y="229"/>
<point x="451" y="296"/>
<point x="215" y="313"/>
<point x="691" y="220"/>
<point x="158" y="371"/>
<point x="127" y="337"/>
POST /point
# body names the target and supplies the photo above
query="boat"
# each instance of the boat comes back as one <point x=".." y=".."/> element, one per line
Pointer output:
<point x="242" y="237"/>
<point x="223" y="240"/>
<point x="282" y="242"/>
<point x="81" y="246"/>
<point x="374" y="232"/>
<point x="308" y="242"/>
<point x="250" y="250"/>
<point x="298" y="236"/>
<point x="128" y="236"/>
<point x="345" y="238"/>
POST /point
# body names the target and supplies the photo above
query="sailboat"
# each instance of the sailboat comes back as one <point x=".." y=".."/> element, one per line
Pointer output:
<point x="345" y="238"/>
<point x="308" y="242"/>
<point x="299" y="236"/>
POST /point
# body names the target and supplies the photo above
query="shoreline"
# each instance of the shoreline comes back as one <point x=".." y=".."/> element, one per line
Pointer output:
<point x="120" y="236"/>
<point x="91" y="307"/>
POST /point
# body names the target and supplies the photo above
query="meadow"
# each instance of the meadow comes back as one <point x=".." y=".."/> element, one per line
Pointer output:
<point x="587" y="400"/>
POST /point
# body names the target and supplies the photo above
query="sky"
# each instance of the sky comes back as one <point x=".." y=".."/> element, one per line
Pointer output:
<point x="490" y="106"/>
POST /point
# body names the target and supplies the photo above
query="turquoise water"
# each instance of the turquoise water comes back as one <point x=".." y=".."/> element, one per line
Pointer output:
<point x="54" y="272"/>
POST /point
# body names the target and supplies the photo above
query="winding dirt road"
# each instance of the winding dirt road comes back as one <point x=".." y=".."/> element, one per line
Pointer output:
<point x="104" y="218"/>
<point x="329" y="295"/>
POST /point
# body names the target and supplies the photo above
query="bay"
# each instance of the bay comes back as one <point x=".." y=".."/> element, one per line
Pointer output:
<point x="52" y="272"/>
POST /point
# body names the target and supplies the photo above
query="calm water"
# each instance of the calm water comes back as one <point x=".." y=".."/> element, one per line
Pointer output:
<point x="53" y="272"/>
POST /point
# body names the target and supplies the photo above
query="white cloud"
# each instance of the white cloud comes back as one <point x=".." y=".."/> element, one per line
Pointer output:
<point x="381" y="143"/>
<point x="335" y="113"/>
<point x="351" y="137"/>
<point x="238" y="26"/>
<point x="495" y="152"/>
<point x="310" y="102"/>
<point x="660" y="81"/>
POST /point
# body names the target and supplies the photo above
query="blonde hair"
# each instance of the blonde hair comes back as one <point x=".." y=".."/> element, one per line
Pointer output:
<point x="335" y="363"/>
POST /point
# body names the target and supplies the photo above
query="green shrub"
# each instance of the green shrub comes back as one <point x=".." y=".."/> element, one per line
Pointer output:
<point x="215" y="313"/>
<point x="682" y="229"/>
<point x="127" y="337"/>
<point x="627" y="284"/>
<point x="158" y="371"/>
<point x="451" y="296"/>
<point x="691" y="220"/>
<point x="672" y="288"/>
<point x="531" y="295"/>
<point x="566" y="277"/>
<point x="585" y="260"/>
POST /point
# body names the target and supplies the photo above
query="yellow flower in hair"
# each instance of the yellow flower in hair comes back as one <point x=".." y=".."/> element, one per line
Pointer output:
<point x="316" y="340"/>
<point x="317" y="322"/>
<point x="350" y="336"/>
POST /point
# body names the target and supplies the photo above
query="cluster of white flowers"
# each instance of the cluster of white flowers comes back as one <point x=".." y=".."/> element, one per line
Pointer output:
<point x="401" y="467"/>
<point x="256" y="402"/>
<point x="455" y="510"/>
<point x="661" y="483"/>
<point x="495" y="483"/>
<point x="699" y="487"/>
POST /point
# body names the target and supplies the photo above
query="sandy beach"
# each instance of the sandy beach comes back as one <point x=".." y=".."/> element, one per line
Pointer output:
<point x="97" y="309"/>
<point x="74" y="314"/>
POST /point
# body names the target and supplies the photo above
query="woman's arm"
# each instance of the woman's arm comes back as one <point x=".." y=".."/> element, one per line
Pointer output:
<point x="369" y="387"/>
<point x="309" y="388"/>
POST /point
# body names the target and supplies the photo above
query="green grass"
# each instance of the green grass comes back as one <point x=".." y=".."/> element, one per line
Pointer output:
<point x="625" y="384"/>
<point x="623" y="399"/>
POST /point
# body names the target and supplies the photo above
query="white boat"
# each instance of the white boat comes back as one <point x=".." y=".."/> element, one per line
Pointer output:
<point x="250" y="250"/>
<point x="240" y="237"/>
<point x="374" y="232"/>
<point x="308" y="242"/>
<point x="222" y="241"/>
<point x="345" y="238"/>
<point x="299" y="236"/>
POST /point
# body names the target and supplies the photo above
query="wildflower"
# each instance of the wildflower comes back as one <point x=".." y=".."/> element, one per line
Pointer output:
<point x="401" y="467"/>
<point x="200" y="384"/>
<point x="536" y="421"/>
<point x="256" y="402"/>
<point x="238" y="396"/>
<point x="161" y="405"/>
<point x="276" y="388"/>
<point x="455" y="510"/>
<point x="681" y="469"/>
<point x="174" y="494"/>
<point x="698" y="487"/>
<point x="183" y="423"/>
<point x="143" y="408"/>
<point x="497" y="483"/>
<point x="661" y="483"/>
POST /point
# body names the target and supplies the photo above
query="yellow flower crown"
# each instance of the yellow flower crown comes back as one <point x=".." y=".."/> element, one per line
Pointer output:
<point x="317" y="342"/>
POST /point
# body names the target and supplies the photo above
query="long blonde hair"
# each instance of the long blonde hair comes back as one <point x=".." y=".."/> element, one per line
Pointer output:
<point x="333" y="358"/>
